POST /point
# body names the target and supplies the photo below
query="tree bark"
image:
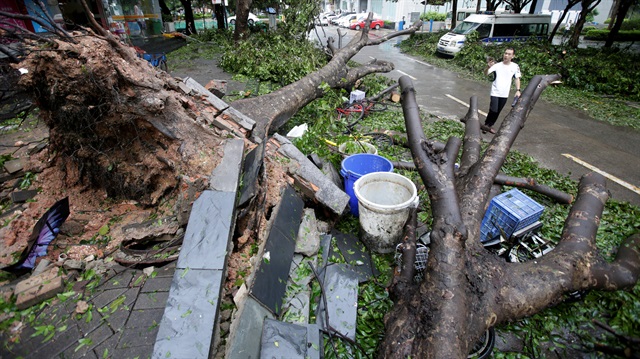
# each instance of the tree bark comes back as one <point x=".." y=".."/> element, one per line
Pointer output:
<point x="587" y="6"/>
<point x="189" y="20"/>
<point x="623" y="8"/>
<point x="466" y="289"/>
<point x="570" y="4"/>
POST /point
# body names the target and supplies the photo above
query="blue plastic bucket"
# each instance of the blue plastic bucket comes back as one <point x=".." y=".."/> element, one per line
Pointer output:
<point x="356" y="166"/>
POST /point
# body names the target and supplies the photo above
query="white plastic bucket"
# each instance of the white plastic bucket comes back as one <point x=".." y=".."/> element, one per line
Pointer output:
<point x="384" y="202"/>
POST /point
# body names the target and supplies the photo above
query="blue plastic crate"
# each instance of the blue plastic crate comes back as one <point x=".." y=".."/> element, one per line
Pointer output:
<point x="509" y="211"/>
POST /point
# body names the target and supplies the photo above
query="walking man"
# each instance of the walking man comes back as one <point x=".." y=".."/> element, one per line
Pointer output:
<point x="503" y="71"/>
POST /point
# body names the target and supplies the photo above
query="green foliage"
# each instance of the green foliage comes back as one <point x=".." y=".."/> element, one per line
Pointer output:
<point x="433" y="15"/>
<point x="273" y="57"/>
<point x="299" y="15"/>
<point x="622" y="35"/>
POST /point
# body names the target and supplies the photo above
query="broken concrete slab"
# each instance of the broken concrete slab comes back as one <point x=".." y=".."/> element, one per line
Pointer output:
<point x="283" y="340"/>
<point x="38" y="288"/>
<point x="201" y="90"/>
<point x="226" y="176"/>
<point x="356" y="255"/>
<point x="23" y="196"/>
<point x="340" y="287"/>
<point x="240" y="118"/>
<point x="13" y="166"/>
<point x="327" y="168"/>
<point x="207" y="239"/>
<point x="252" y="164"/>
<point x="187" y="326"/>
<point x="327" y="192"/>
<point x="308" y="241"/>
<point x="246" y="330"/>
<point x="270" y="280"/>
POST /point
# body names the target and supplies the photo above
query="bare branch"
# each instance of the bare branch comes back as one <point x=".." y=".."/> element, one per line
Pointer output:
<point x="472" y="140"/>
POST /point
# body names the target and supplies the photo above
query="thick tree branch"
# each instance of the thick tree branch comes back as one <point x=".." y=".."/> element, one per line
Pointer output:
<point x="472" y="139"/>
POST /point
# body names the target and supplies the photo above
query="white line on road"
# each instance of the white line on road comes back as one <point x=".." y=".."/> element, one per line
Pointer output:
<point x="423" y="63"/>
<point x="464" y="103"/>
<point x="615" y="179"/>
<point x="406" y="74"/>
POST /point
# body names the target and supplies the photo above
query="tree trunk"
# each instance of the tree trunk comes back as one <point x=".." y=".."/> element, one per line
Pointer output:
<point x="613" y="13"/>
<point x="587" y="6"/>
<point x="189" y="19"/>
<point x="623" y="8"/>
<point x="221" y="16"/>
<point x="273" y="110"/>
<point x="570" y="4"/>
<point x="466" y="289"/>
<point x="242" y="15"/>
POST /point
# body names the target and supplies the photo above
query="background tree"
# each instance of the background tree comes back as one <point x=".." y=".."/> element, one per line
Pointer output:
<point x="517" y="5"/>
<point x="622" y="9"/>
<point x="570" y="4"/>
<point x="492" y="5"/>
<point x="190" y="22"/>
<point x="587" y="7"/>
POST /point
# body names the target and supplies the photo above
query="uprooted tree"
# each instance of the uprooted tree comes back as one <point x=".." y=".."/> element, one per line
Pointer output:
<point x="119" y="124"/>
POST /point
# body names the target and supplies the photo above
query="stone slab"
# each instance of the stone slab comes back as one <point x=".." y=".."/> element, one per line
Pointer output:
<point x="283" y="340"/>
<point x="328" y="193"/>
<point x="226" y="175"/>
<point x="240" y="118"/>
<point x="151" y="300"/>
<point x="23" y="196"/>
<point x="187" y="326"/>
<point x="42" y="290"/>
<point x="340" y="286"/>
<point x="252" y="164"/>
<point x="13" y="166"/>
<point x="209" y="232"/>
<point x="308" y="240"/>
<point x="246" y="331"/>
<point x="356" y="255"/>
<point x="270" y="280"/>
<point x="201" y="90"/>
<point x="314" y="341"/>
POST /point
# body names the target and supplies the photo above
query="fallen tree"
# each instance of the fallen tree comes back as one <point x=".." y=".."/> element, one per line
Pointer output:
<point x="119" y="124"/>
<point x="466" y="289"/>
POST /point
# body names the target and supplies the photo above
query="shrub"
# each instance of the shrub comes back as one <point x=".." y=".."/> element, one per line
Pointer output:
<point x="623" y="35"/>
<point x="433" y="15"/>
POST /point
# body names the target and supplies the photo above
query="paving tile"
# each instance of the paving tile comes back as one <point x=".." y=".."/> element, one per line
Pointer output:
<point x="120" y="280"/>
<point x="270" y="281"/>
<point x="187" y="326"/>
<point x="60" y="342"/>
<point x="207" y="238"/>
<point x="103" y="298"/>
<point x="167" y="270"/>
<point x="94" y="320"/>
<point x="314" y="341"/>
<point x="136" y="337"/>
<point x="147" y="318"/>
<point x="107" y="347"/>
<point x="96" y="337"/>
<point x="356" y="255"/>
<point x="244" y="340"/>
<point x="198" y="88"/>
<point x="341" y="290"/>
<point x="283" y="340"/>
<point x="157" y="284"/>
<point x="308" y="239"/>
<point x="152" y="300"/>
<point x="225" y="176"/>
<point x="142" y="352"/>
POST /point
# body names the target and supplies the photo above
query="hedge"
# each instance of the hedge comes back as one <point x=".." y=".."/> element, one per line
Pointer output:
<point x="623" y="35"/>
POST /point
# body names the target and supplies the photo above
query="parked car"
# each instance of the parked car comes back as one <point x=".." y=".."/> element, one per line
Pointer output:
<point x="340" y="17"/>
<point x="346" y="21"/>
<point x="251" y="20"/>
<point x="375" y="24"/>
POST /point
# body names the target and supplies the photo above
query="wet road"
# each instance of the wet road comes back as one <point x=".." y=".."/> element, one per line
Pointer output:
<point x="559" y="138"/>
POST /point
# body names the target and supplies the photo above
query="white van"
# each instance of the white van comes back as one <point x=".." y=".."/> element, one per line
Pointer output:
<point x="495" y="28"/>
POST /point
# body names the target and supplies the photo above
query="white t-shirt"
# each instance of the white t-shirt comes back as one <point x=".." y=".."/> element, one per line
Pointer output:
<point x="504" y="73"/>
